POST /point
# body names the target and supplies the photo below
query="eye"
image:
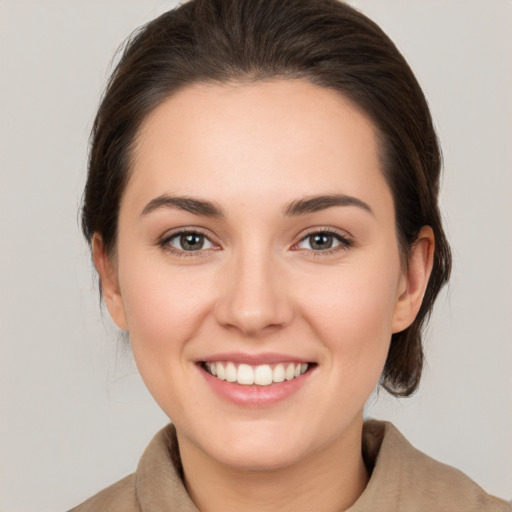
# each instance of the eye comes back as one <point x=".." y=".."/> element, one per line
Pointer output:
<point x="190" y="241"/>
<point x="323" y="241"/>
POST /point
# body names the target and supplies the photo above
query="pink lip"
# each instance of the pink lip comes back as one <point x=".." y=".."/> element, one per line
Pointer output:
<point x="254" y="396"/>
<point x="254" y="359"/>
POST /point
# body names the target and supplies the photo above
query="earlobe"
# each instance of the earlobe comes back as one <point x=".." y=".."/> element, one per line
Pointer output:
<point x="420" y="261"/>
<point x="109" y="281"/>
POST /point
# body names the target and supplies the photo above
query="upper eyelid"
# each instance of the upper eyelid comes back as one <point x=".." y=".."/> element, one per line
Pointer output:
<point x="345" y="239"/>
<point x="164" y="244"/>
<point x="186" y="231"/>
<point x="341" y="233"/>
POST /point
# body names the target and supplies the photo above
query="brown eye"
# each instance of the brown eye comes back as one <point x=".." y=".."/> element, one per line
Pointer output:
<point x="190" y="242"/>
<point x="323" y="241"/>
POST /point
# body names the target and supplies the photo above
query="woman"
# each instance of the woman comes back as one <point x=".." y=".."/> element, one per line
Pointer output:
<point x="261" y="206"/>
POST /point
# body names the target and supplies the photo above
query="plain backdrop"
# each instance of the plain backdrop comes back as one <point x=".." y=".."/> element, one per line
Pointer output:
<point x="74" y="415"/>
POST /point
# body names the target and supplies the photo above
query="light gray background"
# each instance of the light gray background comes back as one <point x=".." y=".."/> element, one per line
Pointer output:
<point x="74" y="414"/>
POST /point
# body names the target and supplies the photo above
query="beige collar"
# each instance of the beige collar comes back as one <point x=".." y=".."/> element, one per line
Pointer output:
<point x="403" y="479"/>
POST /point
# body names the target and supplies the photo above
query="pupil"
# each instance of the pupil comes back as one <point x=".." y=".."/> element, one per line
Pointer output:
<point x="192" y="242"/>
<point x="321" y="241"/>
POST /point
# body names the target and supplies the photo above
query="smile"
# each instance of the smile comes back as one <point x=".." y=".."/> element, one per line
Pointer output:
<point x="260" y="375"/>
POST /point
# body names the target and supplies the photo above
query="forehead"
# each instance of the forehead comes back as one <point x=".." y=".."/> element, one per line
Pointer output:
<point x="239" y="139"/>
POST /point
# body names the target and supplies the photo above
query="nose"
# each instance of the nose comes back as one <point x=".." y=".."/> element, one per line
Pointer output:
<point x="253" y="298"/>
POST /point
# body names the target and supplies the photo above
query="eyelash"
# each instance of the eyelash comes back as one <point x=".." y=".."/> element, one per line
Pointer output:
<point x="344" y="243"/>
<point x="165" y="243"/>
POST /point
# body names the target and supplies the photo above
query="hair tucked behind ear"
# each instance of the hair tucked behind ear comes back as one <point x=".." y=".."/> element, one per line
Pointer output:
<point x="323" y="41"/>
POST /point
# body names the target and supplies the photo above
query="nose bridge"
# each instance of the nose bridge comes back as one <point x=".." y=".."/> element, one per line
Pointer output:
<point x="253" y="300"/>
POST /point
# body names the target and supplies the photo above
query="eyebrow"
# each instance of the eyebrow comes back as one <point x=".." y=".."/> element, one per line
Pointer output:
<point x="188" y="204"/>
<point x="295" y="208"/>
<point x="318" y="203"/>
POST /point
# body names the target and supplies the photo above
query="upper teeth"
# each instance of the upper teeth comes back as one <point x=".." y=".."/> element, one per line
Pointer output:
<point x="261" y="375"/>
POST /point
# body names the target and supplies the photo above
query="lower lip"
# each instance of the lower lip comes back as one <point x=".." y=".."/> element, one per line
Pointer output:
<point x="255" y="396"/>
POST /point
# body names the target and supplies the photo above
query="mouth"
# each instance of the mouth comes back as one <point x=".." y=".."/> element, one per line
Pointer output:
<point x="255" y="375"/>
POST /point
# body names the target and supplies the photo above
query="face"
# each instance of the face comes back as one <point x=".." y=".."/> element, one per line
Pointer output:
<point x="257" y="242"/>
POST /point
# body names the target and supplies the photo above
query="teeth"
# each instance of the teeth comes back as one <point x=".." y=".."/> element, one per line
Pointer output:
<point x="289" y="372"/>
<point x="221" y="373"/>
<point x="261" y="375"/>
<point x="230" y="372"/>
<point x="245" y="375"/>
<point x="278" y="373"/>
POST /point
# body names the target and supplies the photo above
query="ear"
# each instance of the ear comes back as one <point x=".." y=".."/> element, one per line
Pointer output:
<point x="415" y="280"/>
<point x="109" y="281"/>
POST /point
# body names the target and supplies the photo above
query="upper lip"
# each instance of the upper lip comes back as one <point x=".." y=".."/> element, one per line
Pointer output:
<point x="254" y="359"/>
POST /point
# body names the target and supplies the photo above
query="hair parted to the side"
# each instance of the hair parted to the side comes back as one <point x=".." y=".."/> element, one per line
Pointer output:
<point x="326" y="42"/>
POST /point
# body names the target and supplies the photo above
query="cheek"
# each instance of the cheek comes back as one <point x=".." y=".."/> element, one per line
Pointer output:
<point x="351" y="310"/>
<point x="164" y="310"/>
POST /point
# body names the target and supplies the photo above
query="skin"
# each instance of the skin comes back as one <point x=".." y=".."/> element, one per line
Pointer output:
<point x="259" y="286"/>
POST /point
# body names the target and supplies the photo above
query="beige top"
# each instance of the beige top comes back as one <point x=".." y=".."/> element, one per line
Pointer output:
<point x="403" y="479"/>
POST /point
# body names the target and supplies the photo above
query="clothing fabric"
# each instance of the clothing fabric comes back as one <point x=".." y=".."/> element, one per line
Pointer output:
<point x="402" y="479"/>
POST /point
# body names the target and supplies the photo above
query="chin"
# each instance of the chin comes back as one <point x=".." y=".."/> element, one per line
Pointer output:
<point x="256" y="458"/>
<point x="257" y="446"/>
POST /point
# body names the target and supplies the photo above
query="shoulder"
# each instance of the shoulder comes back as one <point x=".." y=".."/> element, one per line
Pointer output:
<point x="156" y="485"/>
<point x="434" y="482"/>
<point x="120" y="496"/>
<point x="413" y="481"/>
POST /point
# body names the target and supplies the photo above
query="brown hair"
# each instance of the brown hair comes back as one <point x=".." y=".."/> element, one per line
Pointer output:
<point x="325" y="42"/>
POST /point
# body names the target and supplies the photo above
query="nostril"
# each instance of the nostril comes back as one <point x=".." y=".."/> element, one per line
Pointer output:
<point x="252" y="299"/>
<point x="252" y="323"/>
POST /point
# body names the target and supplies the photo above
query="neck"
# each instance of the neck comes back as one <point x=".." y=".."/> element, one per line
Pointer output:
<point x="330" y="480"/>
